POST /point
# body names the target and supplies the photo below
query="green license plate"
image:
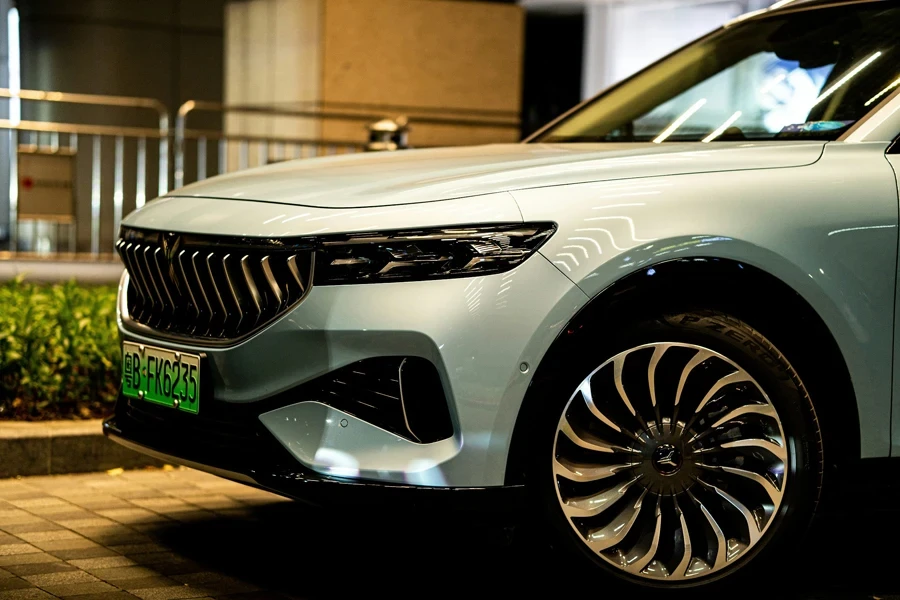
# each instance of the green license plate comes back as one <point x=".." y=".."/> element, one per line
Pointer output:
<point x="161" y="376"/>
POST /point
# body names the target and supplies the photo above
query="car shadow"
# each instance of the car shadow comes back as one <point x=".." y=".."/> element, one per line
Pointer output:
<point x="307" y="552"/>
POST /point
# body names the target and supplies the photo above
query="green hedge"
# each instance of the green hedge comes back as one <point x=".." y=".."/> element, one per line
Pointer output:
<point x="59" y="350"/>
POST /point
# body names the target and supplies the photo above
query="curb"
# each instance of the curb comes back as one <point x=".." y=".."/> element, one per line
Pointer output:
<point x="60" y="447"/>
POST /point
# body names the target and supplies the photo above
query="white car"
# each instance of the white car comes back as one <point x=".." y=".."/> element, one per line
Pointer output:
<point x="659" y="324"/>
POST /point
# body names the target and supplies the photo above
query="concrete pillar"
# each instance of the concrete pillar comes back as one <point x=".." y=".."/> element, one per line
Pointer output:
<point x="420" y="58"/>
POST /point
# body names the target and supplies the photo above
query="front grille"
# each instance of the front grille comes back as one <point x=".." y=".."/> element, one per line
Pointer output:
<point x="208" y="287"/>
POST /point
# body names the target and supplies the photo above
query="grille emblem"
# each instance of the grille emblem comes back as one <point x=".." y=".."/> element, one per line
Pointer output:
<point x="170" y="243"/>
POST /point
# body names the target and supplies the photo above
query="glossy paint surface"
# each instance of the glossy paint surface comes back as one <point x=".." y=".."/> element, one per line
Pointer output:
<point x="822" y="218"/>
<point x="386" y="179"/>
<point x="333" y="442"/>
<point x="828" y="230"/>
<point x="477" y="331"/>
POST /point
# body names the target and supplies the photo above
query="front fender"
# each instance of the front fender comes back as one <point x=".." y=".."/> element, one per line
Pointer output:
<point x="827" y="230"/>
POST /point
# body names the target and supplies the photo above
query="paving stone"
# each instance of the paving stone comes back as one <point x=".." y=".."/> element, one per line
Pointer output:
<point x="79" y="553"/>
<point x="119" y="539"/>
<point x="25" y="594"/>
<point x="66" y="577"/>
<point x="169" y="593"/>
<point x="164" y="502"/>
<point x="114" y="594"/>
<point x="17" y="529"/>
<point x="69" y="515"/>
<point x="229" y="586"/>
<point x="100" y="502"/>
<point x="39" y="501"/>
<point x="146" y="583"/>
<point x="131" y="515"/>
<point x="106" y="562"/>
<point x="176" y="567"/>
<point x="199" y="578"/>
<point x="191" y="516"/>
<point x="14" y="583"/>
<point x="150" y="558"/>
<point x="128" y="549"/>
<point x="52" y="546"/>
<point x="214" y="501"/>
<point x="88" y="523"/>
<point x="23" y="548"/>
<point x="117" y="573"/>
<point x="23" y="519"/>
<point x="40" y="568"/>
<point x="7" y="513"/>
<point x="26" y="559"/>
<point x="4" y="574"/>
<point x="49" y="536"/>
<point x="77" y="590"/>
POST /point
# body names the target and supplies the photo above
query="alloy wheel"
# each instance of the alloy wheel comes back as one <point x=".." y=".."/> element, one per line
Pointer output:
<point x="670" y="462"/>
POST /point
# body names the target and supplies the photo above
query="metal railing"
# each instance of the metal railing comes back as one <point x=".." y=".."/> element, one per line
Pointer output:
<point x="46" y="138"/>
<point x="281" y="148"/>
<point x="105" y="185"/>
<point x="303" y="147"/>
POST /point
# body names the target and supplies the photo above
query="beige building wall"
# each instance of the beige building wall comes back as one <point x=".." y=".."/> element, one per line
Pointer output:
<point x="273" y="57"/>
<point x="426" y="59"/>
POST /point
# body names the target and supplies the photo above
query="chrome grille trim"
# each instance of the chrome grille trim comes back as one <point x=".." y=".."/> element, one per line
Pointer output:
<point x="210" y="290"/>
<point x="248" y="279"/>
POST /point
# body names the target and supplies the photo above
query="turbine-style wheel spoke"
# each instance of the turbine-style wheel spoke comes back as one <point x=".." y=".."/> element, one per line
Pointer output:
<point x="766" y="410"/>
<point x="738" y="377"/>
<point x="594" y="444"/>
<point x="753" y="526"/>
<point x="711" y="482"/>
<point x="591" y="506"/>
<point x="771" y="490"/>
<point x="585" y="390"/>
<point x="721" y="547"/>
<point x="587" y="473"/>
<point x="773" y="447"/>
<point x="685" y="562"/>
<point x="610" y="535"/>
<point x="636" y="561"/>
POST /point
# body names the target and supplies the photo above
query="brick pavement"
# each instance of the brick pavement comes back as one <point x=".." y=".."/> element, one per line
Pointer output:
<point x="98" y="536"/>
<point x="178" y="533"/>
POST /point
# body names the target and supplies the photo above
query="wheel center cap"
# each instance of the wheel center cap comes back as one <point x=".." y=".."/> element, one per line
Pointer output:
<point x="667" y="459"/>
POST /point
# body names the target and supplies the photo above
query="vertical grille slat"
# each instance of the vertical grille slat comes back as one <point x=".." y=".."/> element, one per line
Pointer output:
<point x="234" y="294"/>
<point x="211" y="288"/>
<point x="187" y="284"/>
<point x="295" y="271"/>
<point x="154" y="288"/>
<point x="270" y="279"/>
<point x="251" y="286"/>
<point x="203" y="294"/>
<point x="162" y="278"/>
<point x="220" y="316"/>
<point x="148" y="293"/>
<point x="125" y="251"/>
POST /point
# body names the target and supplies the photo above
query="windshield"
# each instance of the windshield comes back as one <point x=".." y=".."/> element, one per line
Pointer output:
<point x="804" y="75"/>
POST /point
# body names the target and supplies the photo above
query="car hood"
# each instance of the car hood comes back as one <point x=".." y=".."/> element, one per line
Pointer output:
<point x="412" y="176"/>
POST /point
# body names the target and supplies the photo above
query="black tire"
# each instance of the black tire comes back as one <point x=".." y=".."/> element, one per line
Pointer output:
<point x="750" y="350"/>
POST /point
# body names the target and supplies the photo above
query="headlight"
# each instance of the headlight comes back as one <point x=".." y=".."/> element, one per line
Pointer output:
<point x="427" y="254"/>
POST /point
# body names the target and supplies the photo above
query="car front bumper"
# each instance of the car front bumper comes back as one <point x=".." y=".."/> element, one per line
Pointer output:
<point x="485" y="336"/>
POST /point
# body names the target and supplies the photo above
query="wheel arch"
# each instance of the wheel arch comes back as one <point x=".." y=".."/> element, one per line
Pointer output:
<point x="747" y="292"/>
